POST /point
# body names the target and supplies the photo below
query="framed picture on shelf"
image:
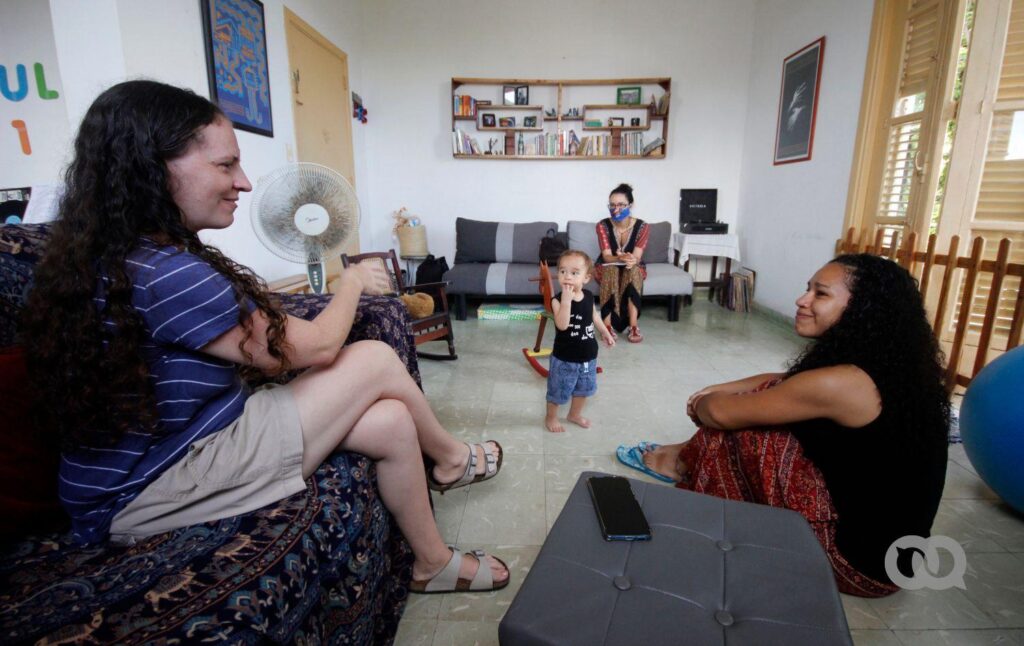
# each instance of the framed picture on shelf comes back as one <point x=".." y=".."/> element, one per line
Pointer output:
<point x="487" y="120"/>
<point x="798" y="103"/>
<point x="516" y="94"/>
<point x="628" y="96"/>
<point x="235" y="36"/>
<point x="507" y="122"/>
<point x="616" y="122"/>
<point x="529" y="122"/>
<point x="635" y="121"/>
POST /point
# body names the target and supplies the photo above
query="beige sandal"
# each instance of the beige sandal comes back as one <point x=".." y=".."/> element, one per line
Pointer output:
<point x="493" y="466"/>
<point x="448" y="579"/>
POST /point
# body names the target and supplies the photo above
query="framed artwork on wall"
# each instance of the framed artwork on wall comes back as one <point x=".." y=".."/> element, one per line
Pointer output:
<point x="628" y="96"/>
<point x="798" y="103"/>
<point x="237" y="66"/>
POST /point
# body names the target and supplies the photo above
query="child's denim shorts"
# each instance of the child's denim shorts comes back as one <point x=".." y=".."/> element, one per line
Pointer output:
<point x="567" y="379"/>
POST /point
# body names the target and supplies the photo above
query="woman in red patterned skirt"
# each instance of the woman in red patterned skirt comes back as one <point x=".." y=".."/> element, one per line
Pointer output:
<point x="620" y="270"/>
<point x="853" y="436"/>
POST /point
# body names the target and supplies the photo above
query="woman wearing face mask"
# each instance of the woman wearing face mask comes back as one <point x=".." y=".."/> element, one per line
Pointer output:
<point x="620" y="270"/>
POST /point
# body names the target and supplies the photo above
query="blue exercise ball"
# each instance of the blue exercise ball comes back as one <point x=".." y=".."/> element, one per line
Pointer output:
<point x="992" y="426"/>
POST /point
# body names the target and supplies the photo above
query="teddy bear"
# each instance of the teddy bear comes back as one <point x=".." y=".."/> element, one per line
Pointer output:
<point x="420" y="305"/>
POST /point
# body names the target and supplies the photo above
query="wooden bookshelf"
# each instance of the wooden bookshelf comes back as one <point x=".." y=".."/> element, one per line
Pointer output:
<point x="555" y="133"/>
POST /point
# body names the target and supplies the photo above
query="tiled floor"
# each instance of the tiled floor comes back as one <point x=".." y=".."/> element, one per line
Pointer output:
<point x="490" y="392"/>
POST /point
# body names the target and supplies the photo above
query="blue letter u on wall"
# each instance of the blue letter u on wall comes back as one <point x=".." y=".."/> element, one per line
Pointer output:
<point x="5" y="87"/>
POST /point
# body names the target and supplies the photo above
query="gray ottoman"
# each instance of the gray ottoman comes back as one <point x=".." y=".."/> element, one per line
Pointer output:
<point x="715" y="572"/>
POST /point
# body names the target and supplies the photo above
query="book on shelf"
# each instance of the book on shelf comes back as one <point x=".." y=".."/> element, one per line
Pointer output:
<point x="463" y="144"/>
<point x="663" y="103"/>
<point x="658" y="142"/>
<point x="464" y="105"/>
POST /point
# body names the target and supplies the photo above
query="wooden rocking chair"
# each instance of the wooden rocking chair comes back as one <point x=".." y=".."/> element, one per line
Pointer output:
<point x="436" y="326"/>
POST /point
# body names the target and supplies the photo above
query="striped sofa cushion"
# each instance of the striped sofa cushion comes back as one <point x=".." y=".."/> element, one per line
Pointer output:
<point x="478" y="241"/>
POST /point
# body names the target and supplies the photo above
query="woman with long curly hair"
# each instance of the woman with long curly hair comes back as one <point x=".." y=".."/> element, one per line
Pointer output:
<point x="853" y="436"/>
<point x="138" y="334"/>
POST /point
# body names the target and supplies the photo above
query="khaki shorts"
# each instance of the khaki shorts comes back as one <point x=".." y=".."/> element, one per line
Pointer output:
<point x="253" y="462"/>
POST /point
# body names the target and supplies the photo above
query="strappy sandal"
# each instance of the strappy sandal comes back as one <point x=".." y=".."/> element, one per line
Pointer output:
<point x="448" y="579"/>
<point x="491" y="469"/>
<point x="633" y="457"/>
<point x="634" y="334"/>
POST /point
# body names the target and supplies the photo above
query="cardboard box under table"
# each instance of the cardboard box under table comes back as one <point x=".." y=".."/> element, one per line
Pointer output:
<point x="715" y="572"/>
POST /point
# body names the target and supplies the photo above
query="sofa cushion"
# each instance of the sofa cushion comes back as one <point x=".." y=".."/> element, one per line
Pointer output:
<point x="658" y="243"/>
<point x="664" y="279"/>
<point x="498" y="278"/>
<point x="583" y="236"/>
<point x="21" y="245"/>
<point x="29" y="461"/>
<point x="478" y="241"/>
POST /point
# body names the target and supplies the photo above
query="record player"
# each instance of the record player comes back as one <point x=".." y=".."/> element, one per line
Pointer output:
<point x="697" y="211"/>
<point x="705" y="227"/>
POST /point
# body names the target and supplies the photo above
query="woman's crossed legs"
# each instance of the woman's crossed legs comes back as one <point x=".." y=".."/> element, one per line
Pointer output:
<point x="366" y="402"/>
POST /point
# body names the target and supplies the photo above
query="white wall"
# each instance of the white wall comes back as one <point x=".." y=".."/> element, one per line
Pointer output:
<point x="791" y="215"/>
<point x="102" y="42"/>
<point x="724" y="57"/>
<point x="24" y="41"/>
<point x="418" y="47"/>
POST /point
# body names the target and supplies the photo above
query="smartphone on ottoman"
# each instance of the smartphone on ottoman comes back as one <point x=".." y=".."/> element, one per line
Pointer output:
<point x="618" y="512"/>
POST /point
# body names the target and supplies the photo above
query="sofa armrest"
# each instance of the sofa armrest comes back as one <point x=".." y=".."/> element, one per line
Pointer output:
<point x="378" y="318"/>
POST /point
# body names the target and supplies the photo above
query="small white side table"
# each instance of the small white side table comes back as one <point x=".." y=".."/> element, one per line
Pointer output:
<point x="725" y="245"/>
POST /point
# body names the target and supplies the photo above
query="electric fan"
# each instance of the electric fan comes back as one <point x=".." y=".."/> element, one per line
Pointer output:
<point x="305" y="213"/>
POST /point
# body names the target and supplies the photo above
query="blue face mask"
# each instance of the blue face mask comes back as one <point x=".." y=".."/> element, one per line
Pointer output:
<point x="623" y="214"/>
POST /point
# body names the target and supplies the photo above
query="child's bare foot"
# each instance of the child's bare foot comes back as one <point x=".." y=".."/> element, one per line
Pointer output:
<point x="578" y="420"/>
<point x="665" y="460"/>
<point x="553" y="425"/>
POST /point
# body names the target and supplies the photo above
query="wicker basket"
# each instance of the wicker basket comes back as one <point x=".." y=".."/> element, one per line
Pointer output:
<point x="412" y="241"/>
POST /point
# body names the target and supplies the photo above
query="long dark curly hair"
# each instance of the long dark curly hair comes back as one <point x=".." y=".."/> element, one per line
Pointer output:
<point x="91" y="380"/>
<point x="884" y="331"/>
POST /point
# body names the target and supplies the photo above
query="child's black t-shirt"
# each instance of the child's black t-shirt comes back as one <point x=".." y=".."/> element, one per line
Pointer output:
<point x="577" y="342"/>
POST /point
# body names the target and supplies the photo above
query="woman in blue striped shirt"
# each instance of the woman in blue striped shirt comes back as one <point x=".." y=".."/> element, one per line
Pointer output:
<point x="139" y="335"/>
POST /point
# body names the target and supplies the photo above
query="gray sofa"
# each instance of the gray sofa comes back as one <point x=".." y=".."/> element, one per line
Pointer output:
<point x="499" y="259"/>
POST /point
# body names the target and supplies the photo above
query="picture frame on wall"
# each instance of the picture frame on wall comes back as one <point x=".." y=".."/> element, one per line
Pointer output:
<point x="798" y="103"/>
<point x="507" y="122"/>
<point x="628" y="96"/>
<point x="529" y="122"/>
<point x="235" y="36"/>
<point x="487" y="120"/>
<point x="516" y="94"/>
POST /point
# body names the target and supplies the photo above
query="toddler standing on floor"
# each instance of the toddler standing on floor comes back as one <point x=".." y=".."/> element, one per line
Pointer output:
<point x="573" y="369"/>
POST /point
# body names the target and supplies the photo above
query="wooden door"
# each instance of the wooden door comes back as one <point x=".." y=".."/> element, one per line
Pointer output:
<point x="321" y="103"/>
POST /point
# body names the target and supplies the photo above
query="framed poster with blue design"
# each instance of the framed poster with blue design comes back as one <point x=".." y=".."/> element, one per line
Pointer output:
<point x="236" y="58"/>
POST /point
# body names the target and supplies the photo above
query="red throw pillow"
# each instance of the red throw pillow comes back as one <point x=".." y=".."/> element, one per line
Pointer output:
<point x="28" y="459"/>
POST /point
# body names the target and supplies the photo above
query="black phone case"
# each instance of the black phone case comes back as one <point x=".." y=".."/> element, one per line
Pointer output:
<point x="618" y="512"/>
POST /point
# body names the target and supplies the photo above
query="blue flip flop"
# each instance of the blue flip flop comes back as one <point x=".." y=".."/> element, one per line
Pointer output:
<point x="632" y="457"/>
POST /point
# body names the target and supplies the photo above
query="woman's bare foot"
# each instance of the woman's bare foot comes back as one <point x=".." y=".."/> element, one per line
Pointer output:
<point x="665" y="460"/>
<point x="424" y="571"/>
<point x="578" y="420"/>
<point x="553" y="425"/>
